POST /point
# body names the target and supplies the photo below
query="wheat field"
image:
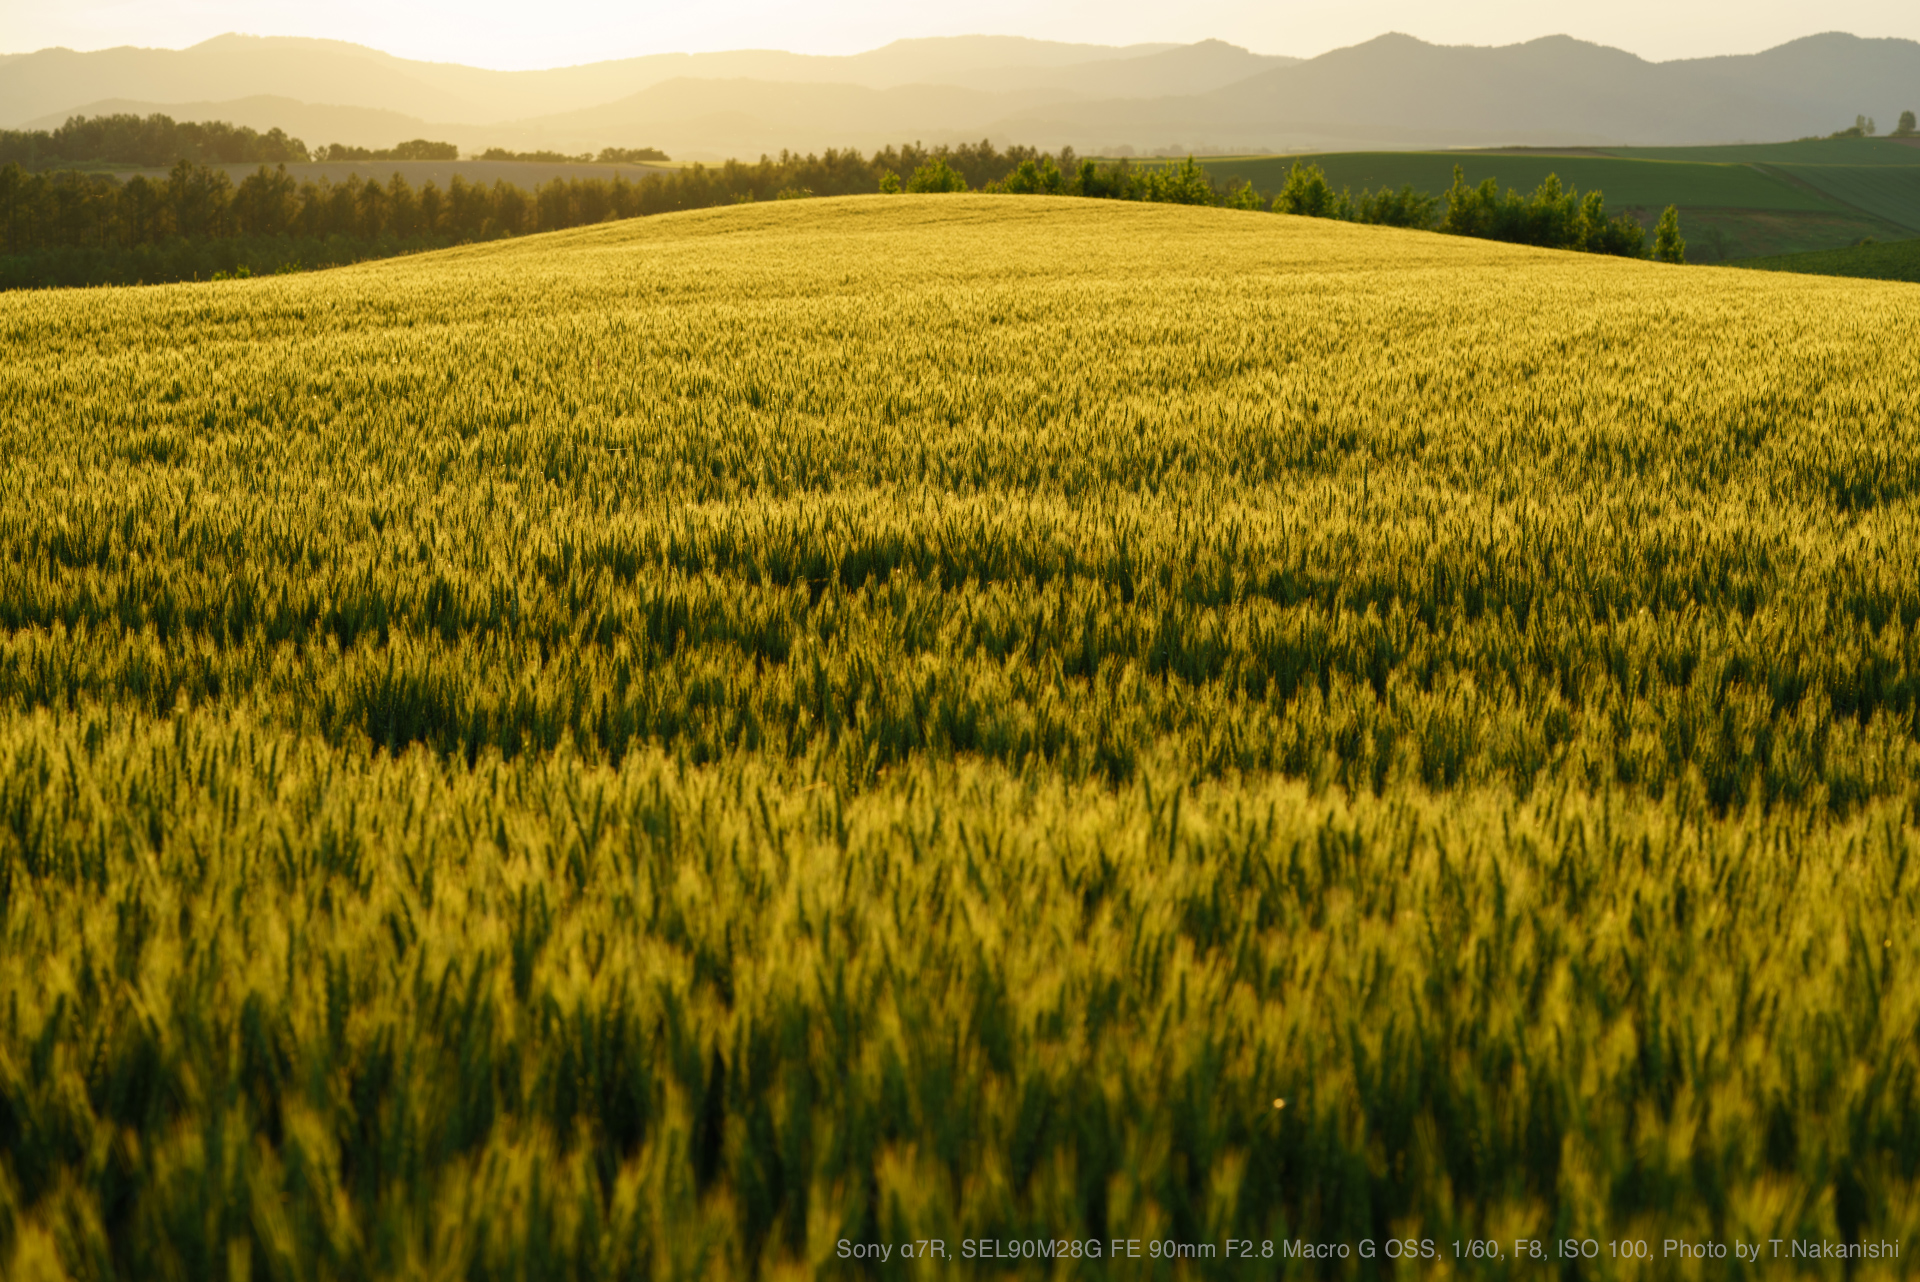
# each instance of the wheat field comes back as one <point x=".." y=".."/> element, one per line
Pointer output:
<point x="700" y="746"/>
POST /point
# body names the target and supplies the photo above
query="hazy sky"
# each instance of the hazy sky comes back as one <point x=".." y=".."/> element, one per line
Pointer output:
<point x="497" y="33"/>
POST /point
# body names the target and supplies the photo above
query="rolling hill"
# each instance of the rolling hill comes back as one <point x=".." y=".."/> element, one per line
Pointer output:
<point x="677" y="748"/>
<point x="1899" y="260"/>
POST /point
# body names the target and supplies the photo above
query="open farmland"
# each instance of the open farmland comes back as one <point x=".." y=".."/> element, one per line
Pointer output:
<point x="1735" y="201"/>
<point x="1896" y="152"/>
<point x="1897" y="261"/>
<point x="1886" y="191"/>
<point x="652" y="750"/>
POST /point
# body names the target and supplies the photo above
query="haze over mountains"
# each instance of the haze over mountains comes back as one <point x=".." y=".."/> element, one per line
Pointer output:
<point x="1391" y="92"/>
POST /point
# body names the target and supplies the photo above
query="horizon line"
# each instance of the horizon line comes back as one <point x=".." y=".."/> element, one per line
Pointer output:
<point x="744" y="49"/>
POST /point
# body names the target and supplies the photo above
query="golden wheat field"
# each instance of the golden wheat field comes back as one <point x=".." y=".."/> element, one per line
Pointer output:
<point x="958" y="735"/>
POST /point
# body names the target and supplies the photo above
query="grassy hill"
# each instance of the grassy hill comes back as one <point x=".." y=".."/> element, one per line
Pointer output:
<point x="1897" y="152"/>
<point x="1884" y="191"/>
<point x="661" y="749"/>
<point x="1735" y="202"/>
<point x="1897" y="261"/>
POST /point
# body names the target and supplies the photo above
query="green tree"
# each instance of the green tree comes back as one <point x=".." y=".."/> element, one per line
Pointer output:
<point x="1474" y="211"/>
<point x="145" y="218"/>
<point x="373" y="210"/>
<point x="432" y="210"/>
<point x="403" y="209"/>
<point x="1114" y="182"/>
<point x="630" y="155"/>
<point x="422" y="149"/>
<point x="890" y="183"/>
<point x="198" y="198"/>
<point x="1308" y="193"/>
<point x="936" y="175"/>
<point x="265" y="203"/>
<point x="1035" y="179"/>
<point x="1187" y="185"/>
<point x="1555" y="216"/>
<point x="1243" y="197"/>
<point x="1906" y="127"/>
<point x="1667" y="245"/>
<point x="1403" y="208"/>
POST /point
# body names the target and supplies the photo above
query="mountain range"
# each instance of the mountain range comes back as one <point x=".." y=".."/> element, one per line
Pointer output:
<point x="1391" y="92"/>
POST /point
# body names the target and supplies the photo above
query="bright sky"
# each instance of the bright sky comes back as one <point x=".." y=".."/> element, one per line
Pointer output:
<point x="514" y="34"/>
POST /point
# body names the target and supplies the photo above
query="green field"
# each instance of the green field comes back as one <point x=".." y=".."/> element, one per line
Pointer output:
<point x="1735" y="202"/>
<point x="657" y="750"/>
<point x="1897" y="261"/>
<point x="1813" y="151"/>
<point x="1882" y="191"/>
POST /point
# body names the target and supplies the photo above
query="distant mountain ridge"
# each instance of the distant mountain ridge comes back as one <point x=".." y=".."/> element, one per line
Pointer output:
<point x="1393" y="92"/>
<point x="1399" y="91"/>
<point x="53" y="82"/>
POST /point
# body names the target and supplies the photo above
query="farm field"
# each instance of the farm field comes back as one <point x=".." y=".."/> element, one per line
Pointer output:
<point x="1899" y="260"/>
<point x="1885" y="191"/>
<point x="1735" y="202"/>
<point x="1898" y="152"/>
<point x="654" y="750"/>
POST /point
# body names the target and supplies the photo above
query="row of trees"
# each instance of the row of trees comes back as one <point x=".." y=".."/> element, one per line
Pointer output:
<point x="154" y="141"/>
<point x="412" y="149"/>
<point x="606" y="156"/>
<point x="157" y="141"/>
<point x="42" y="211"/>
<point x="69" y="227"/>
<point x="1553" y="217"/>
<point x="1865" y="127"/>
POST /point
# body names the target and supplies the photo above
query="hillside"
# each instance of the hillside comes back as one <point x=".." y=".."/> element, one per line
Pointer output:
<point x="665" y="748"/>
<point x="1734" y="202"/>
<point x="1897" y="261"/>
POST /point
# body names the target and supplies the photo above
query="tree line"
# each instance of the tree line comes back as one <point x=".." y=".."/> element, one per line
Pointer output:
<point x="1864" y="127"/>
<point x="66" y="227"/>
<point x="1552" y="217"/>
<point x="74" y="228"/>
<point x="412" y="149"/>
<point x="157" y="141"/>
<point x="605" y="156"/>
<point x="153" y="141"/>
